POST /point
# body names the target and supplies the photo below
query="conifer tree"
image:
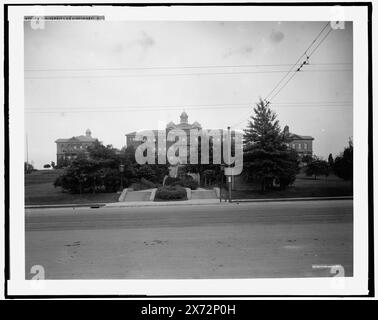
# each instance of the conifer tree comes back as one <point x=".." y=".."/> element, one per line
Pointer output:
<point x="266" y="155"/>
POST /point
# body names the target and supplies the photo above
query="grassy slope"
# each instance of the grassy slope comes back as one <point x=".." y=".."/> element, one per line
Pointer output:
<point x="39" y="189"/>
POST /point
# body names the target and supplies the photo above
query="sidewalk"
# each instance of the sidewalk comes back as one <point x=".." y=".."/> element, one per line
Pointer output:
<point x="163" y="203"/>
<point x="294" y="199"/>
<point x="182" y="203"/>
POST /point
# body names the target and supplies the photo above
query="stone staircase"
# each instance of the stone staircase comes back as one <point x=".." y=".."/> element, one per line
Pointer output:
<point x="149" y="195"/>
<point x="142" y="195"/>
<point x="204" y="194"/>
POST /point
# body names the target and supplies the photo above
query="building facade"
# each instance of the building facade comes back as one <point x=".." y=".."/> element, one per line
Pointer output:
<point x="214" y="135"/>
<point x="69" y="149"/>
<point x="301" y="144"/>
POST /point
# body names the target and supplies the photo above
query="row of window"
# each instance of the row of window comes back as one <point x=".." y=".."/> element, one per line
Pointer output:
<point x="298" y="146"/>
<point x="73" y="147"/>
<point x="68" y="157"/>
<point x="184" y="139"/>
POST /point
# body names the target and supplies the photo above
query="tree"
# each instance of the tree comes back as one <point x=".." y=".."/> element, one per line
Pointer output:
<point x="28" y="168"/>
<point x="330" y="160"/>
<point x="306" y="159"/>
<point x="266" y="155"/>
<point x="98" y="151"/>
<point x="343" y="164"/>
<point x="317" y="167"/>
<point x="100" y="172"/>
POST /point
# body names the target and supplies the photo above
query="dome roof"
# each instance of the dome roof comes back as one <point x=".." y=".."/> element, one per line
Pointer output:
<point x="184" y="117"/>
<point x="170" y="125"/>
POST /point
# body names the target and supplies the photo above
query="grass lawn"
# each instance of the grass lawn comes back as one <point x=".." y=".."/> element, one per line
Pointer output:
<point x="303" y="187"/>
<point x="39" y="189"/>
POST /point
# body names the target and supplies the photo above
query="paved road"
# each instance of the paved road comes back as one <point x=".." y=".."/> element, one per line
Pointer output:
<point x="249" y="240"/>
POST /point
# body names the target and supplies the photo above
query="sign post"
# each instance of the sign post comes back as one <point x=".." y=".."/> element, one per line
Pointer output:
<point x="121" y="169"/>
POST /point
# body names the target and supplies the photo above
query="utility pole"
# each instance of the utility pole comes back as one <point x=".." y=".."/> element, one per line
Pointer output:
<point x="26" y="167"/>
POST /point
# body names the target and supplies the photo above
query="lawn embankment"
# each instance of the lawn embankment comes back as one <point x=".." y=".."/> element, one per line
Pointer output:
<point x="303" y="186"/>
<point x="40" y="190"/>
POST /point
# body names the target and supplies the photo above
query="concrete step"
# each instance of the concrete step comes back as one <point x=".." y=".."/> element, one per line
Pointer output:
<point x="204" y="194"/>
<point x="138" y="196"/>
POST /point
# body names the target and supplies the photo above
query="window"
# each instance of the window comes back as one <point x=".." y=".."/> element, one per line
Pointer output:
<point x="293" y="145"/>
<point x="299" y="146"/>
<point x="305" y="146"/>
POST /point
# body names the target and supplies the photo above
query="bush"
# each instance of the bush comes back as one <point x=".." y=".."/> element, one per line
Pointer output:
<point x="170" y="181"/>
<point x="136" y="186"/>
<point x="148" y="183"/>
<point x="186" y="182"/>
<point x="169" y="193"/>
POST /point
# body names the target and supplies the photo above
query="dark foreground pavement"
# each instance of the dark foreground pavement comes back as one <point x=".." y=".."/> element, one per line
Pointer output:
<point x="249" y="240"/>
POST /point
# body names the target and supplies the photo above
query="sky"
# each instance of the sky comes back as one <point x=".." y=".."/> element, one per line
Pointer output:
<point x="115" y="77"/>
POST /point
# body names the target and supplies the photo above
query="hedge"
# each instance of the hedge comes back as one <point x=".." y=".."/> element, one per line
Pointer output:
<point x="169" y="193"/>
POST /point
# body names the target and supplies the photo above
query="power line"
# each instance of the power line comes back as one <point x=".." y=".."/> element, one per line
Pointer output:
<point x="179" y="74"/>
<point x="299" y="69"/>
<point x="296" y="63"/>
<point x="179" y="107"/>
<point x="174" y="67"/>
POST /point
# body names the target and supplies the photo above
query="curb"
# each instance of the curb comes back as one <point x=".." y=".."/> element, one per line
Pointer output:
<point x="48" y="206"/>
<point x="154" y="204"/>
<point x="158" y="204"/>
<point x="293" y="199"/>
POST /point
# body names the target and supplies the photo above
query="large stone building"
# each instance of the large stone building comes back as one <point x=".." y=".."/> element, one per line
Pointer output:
<point x="301" y="144"/>
<point x="214" y="135"/>
<point x="68" y="149"/>
<point x="183" y="125"/>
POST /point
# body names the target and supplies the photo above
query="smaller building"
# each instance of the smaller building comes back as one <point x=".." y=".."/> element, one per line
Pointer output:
<point x="69" y="149"/>
<point x="301" y="144"/>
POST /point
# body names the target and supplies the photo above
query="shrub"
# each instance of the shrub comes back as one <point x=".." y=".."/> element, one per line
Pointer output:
<point x="186" y="182"/>
<point x="136" y="186"/>
<point x="148" y="183"/>
<point x="170" y="181"/>
<point x="169" y="193"/>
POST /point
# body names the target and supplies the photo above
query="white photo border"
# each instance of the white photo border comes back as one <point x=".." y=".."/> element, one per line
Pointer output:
<point x="356" y="285"/>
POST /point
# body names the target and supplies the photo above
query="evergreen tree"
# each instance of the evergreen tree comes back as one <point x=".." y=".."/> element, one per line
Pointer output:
<point x="266" y="155"/>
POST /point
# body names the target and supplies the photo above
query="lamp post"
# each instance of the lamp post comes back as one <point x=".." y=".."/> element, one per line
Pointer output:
<point x="229" y="161"/>
<point x="221" y="182"/>
<point x="121" y="170"/>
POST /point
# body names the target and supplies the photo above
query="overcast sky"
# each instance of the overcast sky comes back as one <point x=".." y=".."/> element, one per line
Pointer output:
<point x="118" y="77"/>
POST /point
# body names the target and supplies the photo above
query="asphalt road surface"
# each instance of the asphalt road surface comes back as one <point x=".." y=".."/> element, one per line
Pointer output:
<point x="249" y="240"/>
